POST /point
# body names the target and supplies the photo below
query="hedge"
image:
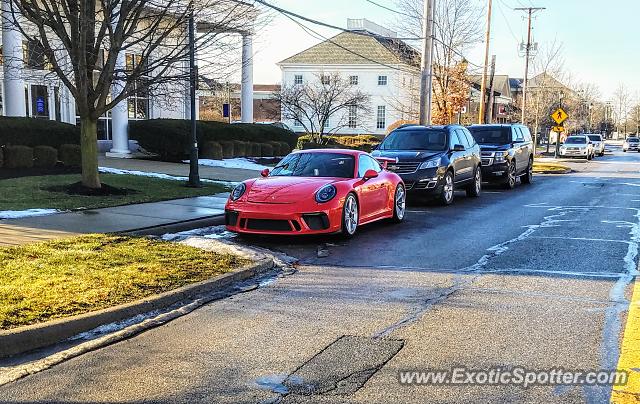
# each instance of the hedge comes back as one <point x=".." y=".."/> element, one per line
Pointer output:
<point x="254" y="149"/>
<point x="70" y="155"/>
<point x="18" y="157"/>
<point x="37" y="132"/>
<point x="358" y="142"/>
<point x="1" y="157"/>
<point x="45" y="156"/>
<point x="228" y="150"/>
<point x="267" y="150"/>
<point x="170" y="138"/>
<point x="240" y="148"/>
<point x="211" y="150"/>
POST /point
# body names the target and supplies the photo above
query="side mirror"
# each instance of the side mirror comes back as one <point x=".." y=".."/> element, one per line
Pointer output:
<point x="458" y="148"/>
<point x="265" y="172"/>
<point x="369" y="174"/>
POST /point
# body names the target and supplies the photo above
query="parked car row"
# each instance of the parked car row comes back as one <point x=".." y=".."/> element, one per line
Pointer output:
<point x="336" y="191"/>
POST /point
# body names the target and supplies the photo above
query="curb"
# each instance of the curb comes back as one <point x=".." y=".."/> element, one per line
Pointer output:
<point x="24" y="339"/>
<point x="567" y="171"/>
<point x="176" y="227"/>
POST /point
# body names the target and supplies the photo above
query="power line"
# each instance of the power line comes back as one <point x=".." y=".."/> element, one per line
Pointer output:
<point x="506" y="20"/>
<point x="389" y="9"/>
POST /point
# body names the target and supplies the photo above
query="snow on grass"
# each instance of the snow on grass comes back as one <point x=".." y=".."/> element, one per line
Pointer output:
<point x="241" y="163"/>
<point x="110" y="170"/>
<point x="19" y="214"/>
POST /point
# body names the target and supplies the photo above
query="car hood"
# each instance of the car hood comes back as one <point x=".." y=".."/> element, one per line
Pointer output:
<point x="285" y="190"/>
<point x="494" y="147"/>
<point x="403" y="155"/>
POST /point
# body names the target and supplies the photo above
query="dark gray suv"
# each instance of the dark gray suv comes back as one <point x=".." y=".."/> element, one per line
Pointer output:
<point x="507" y="153"/>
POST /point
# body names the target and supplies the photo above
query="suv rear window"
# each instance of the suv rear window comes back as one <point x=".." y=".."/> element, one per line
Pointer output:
<point x="416" y="139"/>
<point x="491" y="135"/>
<point x="595" y="138"/>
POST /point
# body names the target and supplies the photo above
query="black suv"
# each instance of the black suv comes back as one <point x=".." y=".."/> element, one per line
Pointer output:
<point x="434" y="160"/>
<point x="507" y="153"/>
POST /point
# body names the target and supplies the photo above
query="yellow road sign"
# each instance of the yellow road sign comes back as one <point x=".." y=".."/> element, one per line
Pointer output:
<point x="558" y="129"/>
<point x="559" y="115"/>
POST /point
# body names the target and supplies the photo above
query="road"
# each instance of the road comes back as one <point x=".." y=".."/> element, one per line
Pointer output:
<point x="538" y="277"/>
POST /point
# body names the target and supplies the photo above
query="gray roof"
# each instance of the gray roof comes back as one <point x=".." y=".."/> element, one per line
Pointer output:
<point x="356" y="48"/>
<point x="500" y="83"/>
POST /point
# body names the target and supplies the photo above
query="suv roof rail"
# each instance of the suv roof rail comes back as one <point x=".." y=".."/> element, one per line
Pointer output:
<point x="406" y="125"/>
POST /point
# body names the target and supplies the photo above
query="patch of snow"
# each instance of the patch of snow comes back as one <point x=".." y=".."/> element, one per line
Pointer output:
<point x="109" y="170"/>
<point x="213" y="232"/>
<point x="19" y="214"/>
<point x="242" y="163"/>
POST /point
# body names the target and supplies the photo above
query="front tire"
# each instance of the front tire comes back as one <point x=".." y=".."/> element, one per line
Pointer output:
<point x="446" y="196"/>
<point x="399" y="204"/>
<point x="474" y="190"/>
<point x="510" y="181"/>
<point x="350" y="216"/>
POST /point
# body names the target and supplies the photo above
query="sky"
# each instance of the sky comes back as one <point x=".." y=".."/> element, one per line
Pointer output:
<point x="599" y="43"/>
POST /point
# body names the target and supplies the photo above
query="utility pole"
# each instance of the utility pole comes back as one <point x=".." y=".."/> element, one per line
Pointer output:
<point x="483" y="84"/>
<point x="488" y="116"/>
<point x="530" y="11"/>
<point x="194" y="176"/>
<point x="426" y="66"/>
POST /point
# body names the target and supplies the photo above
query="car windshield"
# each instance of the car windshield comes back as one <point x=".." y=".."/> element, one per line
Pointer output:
<point x="576" y="140"/>
<point x="633" y="140"/>
<point x="491" y="135"/>
<point x="595" y="138"/>
<point x="416" y="139"/>
<point x="315" y="165"/>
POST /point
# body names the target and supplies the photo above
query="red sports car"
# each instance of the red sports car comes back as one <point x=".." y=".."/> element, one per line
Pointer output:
<point x="317" y="191"/>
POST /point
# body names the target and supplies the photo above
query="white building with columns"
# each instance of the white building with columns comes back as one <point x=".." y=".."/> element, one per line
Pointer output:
<point x="370" y="58"/>
<point x="29" y="89"/>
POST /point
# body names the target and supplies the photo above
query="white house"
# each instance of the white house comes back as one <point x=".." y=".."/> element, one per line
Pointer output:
<point x="28" y="88"/>
<point x="370" y="56"/>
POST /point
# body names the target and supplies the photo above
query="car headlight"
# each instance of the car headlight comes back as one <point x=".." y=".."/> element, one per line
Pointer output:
<point x="435" y="163"/>
<point x="326" y="193"/>
<point x="500" y="156"/>
<point x="238" y="191"/>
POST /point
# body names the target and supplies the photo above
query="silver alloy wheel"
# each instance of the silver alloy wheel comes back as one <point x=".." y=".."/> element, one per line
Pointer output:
<point x="511" y="176"/>
<point x="400" y="202"/>
<point x="351" y="215"/>
<point x="478" y="183"/>
<point x="448" y="188"/>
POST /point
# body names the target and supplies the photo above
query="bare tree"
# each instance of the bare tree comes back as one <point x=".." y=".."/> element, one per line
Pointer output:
<point x="323" y="105"/>
<point x="457" y="28"/>
<point x="621" y="105"/>
<point x="84" y="42"/>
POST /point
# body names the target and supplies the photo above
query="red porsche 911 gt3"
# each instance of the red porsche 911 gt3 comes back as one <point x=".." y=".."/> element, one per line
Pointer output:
<point x="317" y="191"/>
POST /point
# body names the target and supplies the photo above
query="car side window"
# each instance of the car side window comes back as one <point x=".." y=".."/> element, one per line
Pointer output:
<point x="470" y="139"/>
<point x="517" y="135"/>
<point x="453" y="139"/>
<point x="463" y="139"/>
<point x="367" y="163"/>
<point x="526" y="133"/>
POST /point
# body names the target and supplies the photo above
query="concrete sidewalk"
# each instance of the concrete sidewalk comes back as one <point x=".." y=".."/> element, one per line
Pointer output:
<point x="178" y="169"/>
<point x="203" y="210"/>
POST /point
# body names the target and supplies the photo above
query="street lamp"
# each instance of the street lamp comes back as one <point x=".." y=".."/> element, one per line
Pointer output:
<point x="194" y="175"/>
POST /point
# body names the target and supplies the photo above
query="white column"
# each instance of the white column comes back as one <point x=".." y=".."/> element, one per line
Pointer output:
<point x="119" y="115"/>
<point x="14" y="104"/>
<point x="246" y="97"/>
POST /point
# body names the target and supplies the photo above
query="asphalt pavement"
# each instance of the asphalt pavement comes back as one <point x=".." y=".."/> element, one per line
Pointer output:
<point x="538" y="277"/>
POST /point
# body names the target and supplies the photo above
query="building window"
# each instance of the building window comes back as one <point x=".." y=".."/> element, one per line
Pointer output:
<point x="353" y="80"/>
<point x="297" y="79"/>
<point x="297" y="124"/>
<point x="326" y="80"/>
<point x="33" y="55"/>
<point x="382" y="80"/>
<point x="381" y="121"/>
<point x="353" y="116"/>
<point x="138" y="102"/>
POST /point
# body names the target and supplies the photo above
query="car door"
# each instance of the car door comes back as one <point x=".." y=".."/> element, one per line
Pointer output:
<point x="519" y="148"/>
<point x="458" y="158"/>
<point x="374" y="192"/>
<point x="473" y="155"/>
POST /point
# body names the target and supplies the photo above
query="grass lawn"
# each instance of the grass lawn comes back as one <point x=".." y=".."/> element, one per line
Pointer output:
<point x="548" y="167"/>
<point x="44" y="281"/>
<point x="32" y="192"/>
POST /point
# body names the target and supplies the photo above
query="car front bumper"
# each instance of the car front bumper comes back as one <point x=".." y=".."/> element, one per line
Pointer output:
<point x="494" y="171"/>
<point x="575" y="153"/>
<point x="426" y="182"/>
<point x="283" y="219"/>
